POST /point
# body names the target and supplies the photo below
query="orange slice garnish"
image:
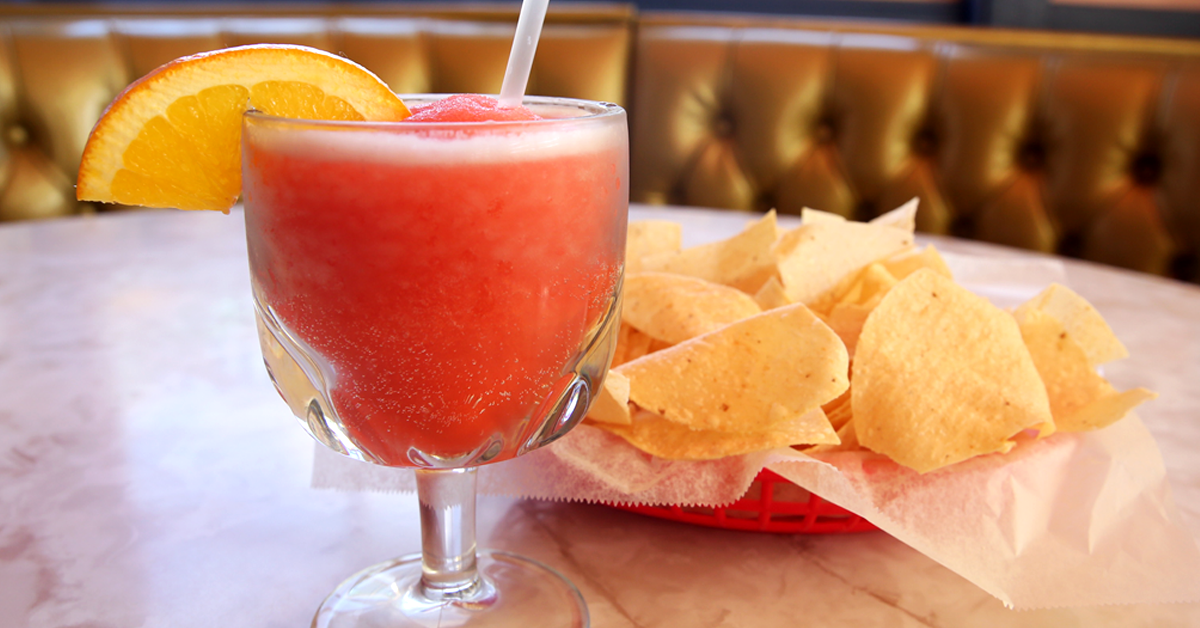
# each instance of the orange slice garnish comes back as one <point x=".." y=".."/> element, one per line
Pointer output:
<point x="173" y="137"/>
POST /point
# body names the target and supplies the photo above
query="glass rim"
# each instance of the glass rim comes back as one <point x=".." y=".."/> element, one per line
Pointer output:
<point x="595" y="110"/>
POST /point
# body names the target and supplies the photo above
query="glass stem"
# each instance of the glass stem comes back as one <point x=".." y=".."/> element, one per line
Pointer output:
<point x="448" y="535"/>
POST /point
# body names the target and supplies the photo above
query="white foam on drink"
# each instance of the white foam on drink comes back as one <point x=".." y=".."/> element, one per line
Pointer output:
<point x="430" y="143"/>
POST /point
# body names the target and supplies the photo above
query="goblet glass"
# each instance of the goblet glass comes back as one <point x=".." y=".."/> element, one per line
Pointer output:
<point x="440" y="296"/>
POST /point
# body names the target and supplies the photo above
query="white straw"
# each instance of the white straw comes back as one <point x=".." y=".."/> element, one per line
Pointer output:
<point x="520" y="58"/>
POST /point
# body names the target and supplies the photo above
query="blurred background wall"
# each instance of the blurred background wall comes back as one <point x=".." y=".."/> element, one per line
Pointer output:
<point x="1164" y="18"/>
<point x="1170" y="18"/>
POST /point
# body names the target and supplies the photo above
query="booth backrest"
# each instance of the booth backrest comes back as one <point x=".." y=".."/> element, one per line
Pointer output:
<point x="59" y="71"/>
<point x="1084" y="145"/>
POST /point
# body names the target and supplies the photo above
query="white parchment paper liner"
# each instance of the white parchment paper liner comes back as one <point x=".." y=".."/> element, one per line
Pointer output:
<point x="1073" y="520"/>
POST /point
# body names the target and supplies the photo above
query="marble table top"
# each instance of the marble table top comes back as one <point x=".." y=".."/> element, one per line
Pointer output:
<point x="150" y="475"/>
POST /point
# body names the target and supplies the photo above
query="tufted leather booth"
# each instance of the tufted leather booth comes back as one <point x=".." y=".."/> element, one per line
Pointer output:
<point x="1084" y="145"/>
<point x="58" y="70"/>
<point x="1079" y="144"/>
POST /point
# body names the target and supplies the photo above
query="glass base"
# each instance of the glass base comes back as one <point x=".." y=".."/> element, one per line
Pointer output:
<point x="518" y="592"/>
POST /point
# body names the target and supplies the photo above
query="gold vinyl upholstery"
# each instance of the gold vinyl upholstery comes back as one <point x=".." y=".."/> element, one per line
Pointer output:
<point x="1085" y="145"/>
<point x="58" y="71"/>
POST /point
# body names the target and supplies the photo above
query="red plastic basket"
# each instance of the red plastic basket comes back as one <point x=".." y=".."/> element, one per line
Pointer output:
<point x="771" y="504"/>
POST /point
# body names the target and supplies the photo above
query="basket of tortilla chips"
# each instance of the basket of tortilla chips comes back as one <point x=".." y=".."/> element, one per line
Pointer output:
<point x="838" y="336"/>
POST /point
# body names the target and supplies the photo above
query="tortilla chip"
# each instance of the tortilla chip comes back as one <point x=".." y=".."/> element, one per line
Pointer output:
<point x="674" y="308"/>
<point x="1080" y="399"/>
<point x="667" y="439"/>
<point x="744" y="261"/>
<point x="854" y="302"/>
<point x="814" y="259"/>
<point x="810" y="216"/>
<point x="909" y="262"/>
<point x="868" y="286"/>
<point x="771" y="295"/>
<point x="847" y="320"/>
<point x="631" y="345"/>
<point x="941" y="375"/>
<point x="903" y="217"/>
<point x="611" y="404"/>
<point x="650" y="237"/>
<point x="766" y="369"/>
<point x="848" y="437"/>
<point x="838" y="410"/>
<point x="1081" y="321"/>
<point x="1107" y="410"/>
